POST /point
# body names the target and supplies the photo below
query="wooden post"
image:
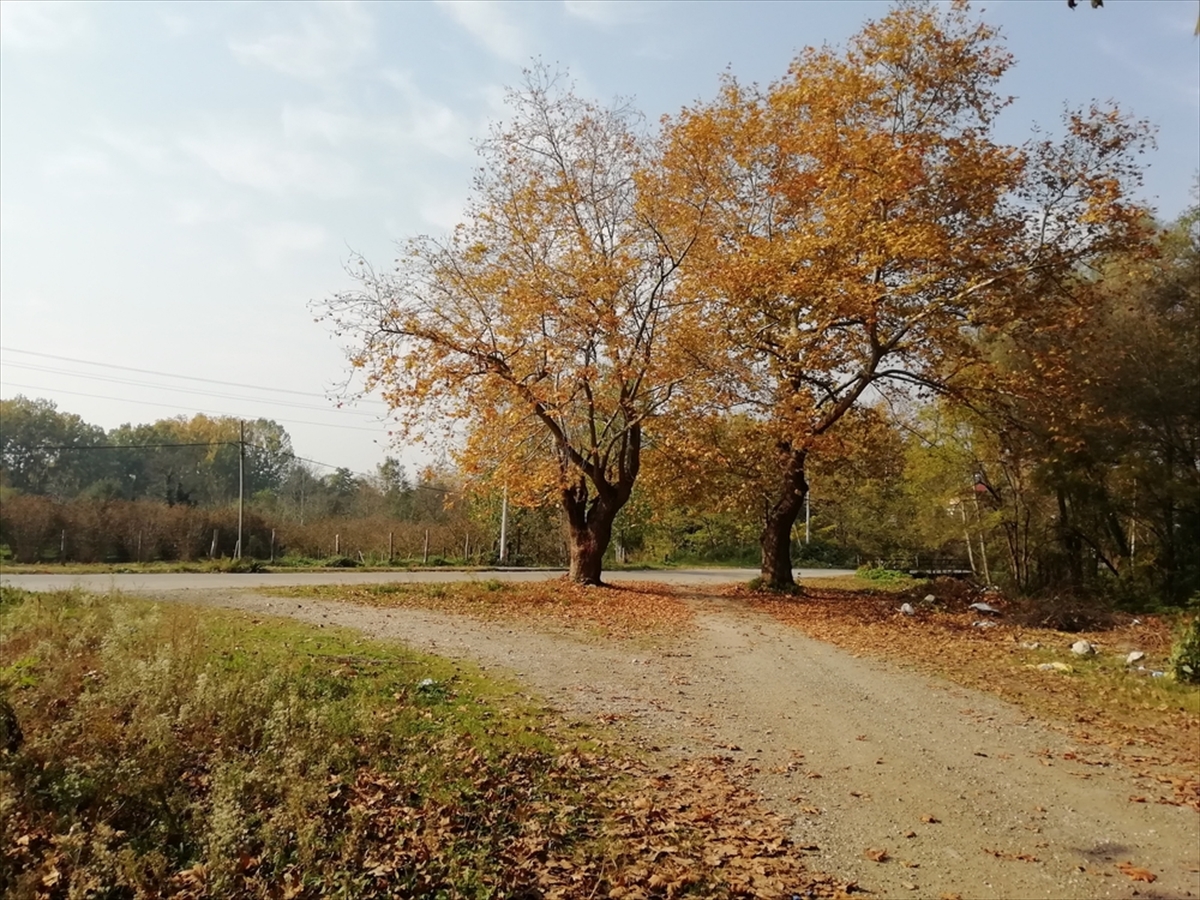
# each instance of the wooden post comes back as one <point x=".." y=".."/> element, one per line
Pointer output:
<point x="467" y="548"/>
<point x="272" y="545"/>
<point x="337" y="545"/>
<point x="62" y="546"/>
<point x="425" y="555"/>
<point x="237" y="552"/>
<point x="139" y="546"/>
<point x="390" y="544"/>
<point x="212" y="550"/>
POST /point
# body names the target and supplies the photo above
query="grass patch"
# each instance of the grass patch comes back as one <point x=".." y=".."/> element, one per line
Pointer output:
<point x="858" y="583"/>
<point x="1152" y="722"/>
<point x="174" y="752"/>
<point x="621" y="611"/>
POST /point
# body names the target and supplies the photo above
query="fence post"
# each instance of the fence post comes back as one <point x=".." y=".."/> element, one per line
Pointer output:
<point x="212" y="550"/>
<point x="62" y="546"/>
<point x="337" y="545"/>
<point x="425" y="554"/>
<point x="389" y="548"/>
<point x="272" y="545"/>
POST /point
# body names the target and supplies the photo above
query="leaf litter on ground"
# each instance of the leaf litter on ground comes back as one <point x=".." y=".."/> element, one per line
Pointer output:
<point x="631" y="609"/>
<point x="1152" y="727"/>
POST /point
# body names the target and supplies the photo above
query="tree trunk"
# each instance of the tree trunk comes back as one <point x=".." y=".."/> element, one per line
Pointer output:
<point x="589" y="531"/>
<point x="776" y="537"/>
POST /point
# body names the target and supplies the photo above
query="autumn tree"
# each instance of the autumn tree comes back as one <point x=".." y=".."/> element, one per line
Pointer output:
<point x="537" y="332"/>
<point x="863" y="227"/>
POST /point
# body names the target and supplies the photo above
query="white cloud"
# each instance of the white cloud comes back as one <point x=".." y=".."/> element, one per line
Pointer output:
<point x="146" y="151"/>
<point x="444" y="212"/>
<point x="204" y="212"/>
<point x="486" y="22"/>
<point x="253" y="162"/>
<point x="86" y="164"/>
<point x="38" y="25"/>
<point x="605" y="13"/>
<point x="272" y="244"/>
<point x="331" y="38"/>
<point x="175" y="23"/>
<point x="420" y="121"/>
<point x="427" y="122"/>
<point x="304" y="123"/>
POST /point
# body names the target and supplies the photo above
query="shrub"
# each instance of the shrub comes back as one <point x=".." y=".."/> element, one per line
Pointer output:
<point x="1184" y="663"/>
<point x="881" y="575"/>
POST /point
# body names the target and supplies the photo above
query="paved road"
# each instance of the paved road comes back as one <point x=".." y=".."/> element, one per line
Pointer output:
<point x="177" y="581"/>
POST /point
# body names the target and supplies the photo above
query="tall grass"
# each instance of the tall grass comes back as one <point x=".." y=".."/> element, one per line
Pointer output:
<point x="173" y="752"/>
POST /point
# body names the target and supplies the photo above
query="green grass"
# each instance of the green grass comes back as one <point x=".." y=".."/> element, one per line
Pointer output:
<point x="167" y="748"/>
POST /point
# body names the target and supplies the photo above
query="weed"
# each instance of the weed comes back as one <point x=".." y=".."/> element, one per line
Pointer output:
<point x="1184" y="663"/>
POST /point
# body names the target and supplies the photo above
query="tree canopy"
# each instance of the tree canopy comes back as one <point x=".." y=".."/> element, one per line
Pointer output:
<point x="864" y="228"/>
<point x="547" y="327"/>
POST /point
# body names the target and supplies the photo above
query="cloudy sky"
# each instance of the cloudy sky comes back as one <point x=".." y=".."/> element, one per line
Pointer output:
<point x="179" y="180"/>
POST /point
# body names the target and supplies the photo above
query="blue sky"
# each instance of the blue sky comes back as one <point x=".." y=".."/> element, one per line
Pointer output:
<point x="179" y="180"/>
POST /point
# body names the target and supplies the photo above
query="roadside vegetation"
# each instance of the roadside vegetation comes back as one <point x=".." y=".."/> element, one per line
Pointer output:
<point x="164" y="751"/>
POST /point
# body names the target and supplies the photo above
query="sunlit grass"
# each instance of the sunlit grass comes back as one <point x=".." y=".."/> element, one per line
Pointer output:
<point x="159" y="739"/>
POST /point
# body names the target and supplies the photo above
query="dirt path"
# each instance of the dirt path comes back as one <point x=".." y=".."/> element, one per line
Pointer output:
<point x="966" y="794"/>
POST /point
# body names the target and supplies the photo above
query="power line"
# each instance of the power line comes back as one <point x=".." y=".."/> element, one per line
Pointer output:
<point x="134" y="446"/>
<point x="89" y="362"/>
<point x="159" y="446"/>
<point x="184" y="390"/>
<point x="34" y="387"/>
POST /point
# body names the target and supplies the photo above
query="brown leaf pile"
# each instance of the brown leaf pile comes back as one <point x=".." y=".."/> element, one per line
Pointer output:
<point x="619" y="611"/>
<point x="1160" y="741"/>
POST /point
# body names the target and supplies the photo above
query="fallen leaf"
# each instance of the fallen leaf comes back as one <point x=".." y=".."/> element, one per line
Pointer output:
<point x="1137" y="799"/>
<point x="910" y="834"/>
<point x="876" y="854"/>
<point x="931" y="820"/>
<point x="1136" y="872"/>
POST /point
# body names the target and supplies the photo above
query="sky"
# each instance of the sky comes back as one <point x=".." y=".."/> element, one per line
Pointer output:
<point x="179" y="182"/>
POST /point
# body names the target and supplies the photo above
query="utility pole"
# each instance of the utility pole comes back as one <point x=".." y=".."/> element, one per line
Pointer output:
<point x="237" y="554"/>
<point x="504" y="527"/>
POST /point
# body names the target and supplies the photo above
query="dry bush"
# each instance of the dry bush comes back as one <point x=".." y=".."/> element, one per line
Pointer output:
<point x="1062" y="611"/>
<point x="369" y="536"/>
<point x="89" y="531"/>
<point x="28" y="524"/>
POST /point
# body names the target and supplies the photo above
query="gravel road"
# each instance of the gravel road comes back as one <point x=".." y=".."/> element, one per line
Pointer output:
<point x="966" y="794"/>
<point x="152" y="582"/>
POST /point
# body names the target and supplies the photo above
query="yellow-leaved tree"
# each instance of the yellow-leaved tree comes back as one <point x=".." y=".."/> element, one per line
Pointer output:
<point x="864" y="231"/>
<point x="545" y="333"/>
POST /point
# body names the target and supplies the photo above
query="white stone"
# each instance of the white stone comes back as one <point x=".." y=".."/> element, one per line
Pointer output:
<point x="1134" y="656"/>
<point x="985" y="608"/>
<point x="1082" y="648"/>
<point x="907" y="609"/>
